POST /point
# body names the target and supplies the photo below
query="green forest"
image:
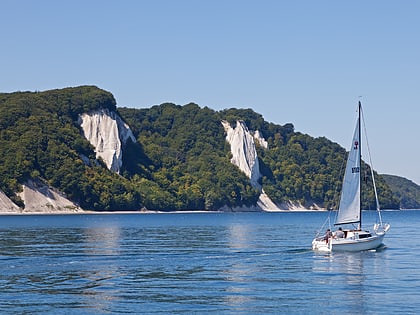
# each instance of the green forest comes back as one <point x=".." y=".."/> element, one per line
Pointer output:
<point x="405" y="190"/>
<point x="181" y="160"/>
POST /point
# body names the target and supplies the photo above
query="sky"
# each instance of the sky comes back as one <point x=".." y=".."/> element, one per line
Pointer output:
<point x="303" y="62"/>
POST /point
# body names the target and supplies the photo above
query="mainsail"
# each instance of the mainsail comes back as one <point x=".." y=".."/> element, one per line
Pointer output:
<point x="349" y="210"/>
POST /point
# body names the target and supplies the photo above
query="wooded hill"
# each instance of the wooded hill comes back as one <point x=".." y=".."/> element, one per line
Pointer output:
<point x="405" y="190"/>
<point x="181" y="159"/>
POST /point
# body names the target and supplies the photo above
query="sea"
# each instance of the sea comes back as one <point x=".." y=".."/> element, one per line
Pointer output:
<point x="202" y="263"/>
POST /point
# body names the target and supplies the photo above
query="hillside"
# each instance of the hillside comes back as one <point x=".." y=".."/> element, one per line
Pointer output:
<point x="295" y="167"/>
<point x="406" y="191"/>
<point x="171" y="157"/>
<point x="41" y="140"/>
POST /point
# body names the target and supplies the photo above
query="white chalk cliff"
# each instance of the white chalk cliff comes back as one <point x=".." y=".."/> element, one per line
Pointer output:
<point x="38" y="198"/>
<point x="107" y="132"/>
<point x="244" y="153"/>
<point x="7" y="205"/>
<point x="260" y="139"/>
<point x="244" y="156"/>
<point x="41" y="198"/>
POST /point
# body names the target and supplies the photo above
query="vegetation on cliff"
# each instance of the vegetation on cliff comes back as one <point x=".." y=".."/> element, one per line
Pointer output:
<point x="40" y="138"/>
<point x="180" y="160"/>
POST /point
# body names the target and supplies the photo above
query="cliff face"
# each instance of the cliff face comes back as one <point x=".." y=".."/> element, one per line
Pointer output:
<point x="244" y="153"/>
<point x="38" y="198"/>
<point x="6" y="205"/>
<point x="244" y="156"/>
<point x="41" y="198"/>
<point x="106" y="131"/>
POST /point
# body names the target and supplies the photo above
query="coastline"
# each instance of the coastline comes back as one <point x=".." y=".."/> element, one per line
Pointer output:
<point x="89" y="212"/>
<point x="145" y="212"/>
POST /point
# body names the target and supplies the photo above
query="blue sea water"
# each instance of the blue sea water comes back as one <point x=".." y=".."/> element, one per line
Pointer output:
<point x="219" y="263"/>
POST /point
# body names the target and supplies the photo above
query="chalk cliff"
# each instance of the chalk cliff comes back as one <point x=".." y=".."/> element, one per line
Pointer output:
<point x="6" y="205"/>
<point x="38" y="198"/>
<point x="244" y="153"/>
<point x="107" y="132"/>
<point x="41" y="198"/>
<point x="244" y="156"/>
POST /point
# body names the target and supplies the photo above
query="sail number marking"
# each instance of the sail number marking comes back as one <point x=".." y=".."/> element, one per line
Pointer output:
<point x="355" y="170"/>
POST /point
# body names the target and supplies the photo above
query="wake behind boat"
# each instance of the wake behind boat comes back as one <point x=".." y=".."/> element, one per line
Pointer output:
<point x="350" y="209"/>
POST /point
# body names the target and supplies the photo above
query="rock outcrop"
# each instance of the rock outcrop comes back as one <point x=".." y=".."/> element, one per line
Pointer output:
<point x="7" y="205"/>
<point x="244" y="153"/>
<point x="244" y="156"/>
<point x="107" y="132"/>
<point x="41" y="198"/>
<point x="38" y="198"/>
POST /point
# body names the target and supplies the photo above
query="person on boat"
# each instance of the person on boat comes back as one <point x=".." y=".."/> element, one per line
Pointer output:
<point x="339" y="233"/>
<point x="328" y="235"/>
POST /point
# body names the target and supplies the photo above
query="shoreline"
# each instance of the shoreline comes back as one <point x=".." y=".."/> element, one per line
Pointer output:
<point x="88" y="212"/>
<point x="91" y="212"/>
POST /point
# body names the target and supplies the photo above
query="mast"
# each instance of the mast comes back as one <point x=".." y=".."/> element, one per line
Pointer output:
<point x="360" y="165"/>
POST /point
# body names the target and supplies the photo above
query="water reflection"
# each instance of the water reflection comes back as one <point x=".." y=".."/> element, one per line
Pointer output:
<point x="348" y="275"/>
<point x="240" y="270"/>
<point x="99" y="243"/>
<point x="102" y="240"/>
<point x="43" y="264"/>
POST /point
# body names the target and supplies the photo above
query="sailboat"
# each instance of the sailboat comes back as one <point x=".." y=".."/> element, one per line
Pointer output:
<point x="350" y="210"/>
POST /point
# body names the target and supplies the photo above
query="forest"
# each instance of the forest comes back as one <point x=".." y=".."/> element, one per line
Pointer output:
<point x="405" y="190"/>
<point x="181" y="160"/>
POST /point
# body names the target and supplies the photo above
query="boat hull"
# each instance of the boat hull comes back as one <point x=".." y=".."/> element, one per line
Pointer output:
<point x="352" y="244"/>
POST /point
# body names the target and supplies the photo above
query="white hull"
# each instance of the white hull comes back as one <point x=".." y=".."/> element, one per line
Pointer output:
<point x="355" y="241"/>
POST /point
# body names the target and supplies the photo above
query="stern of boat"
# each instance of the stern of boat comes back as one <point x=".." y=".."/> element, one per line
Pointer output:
<point x="321" y="245"/>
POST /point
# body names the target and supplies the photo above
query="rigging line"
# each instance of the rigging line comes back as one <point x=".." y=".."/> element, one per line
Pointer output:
<point x="371" y="168"/>
<point x="327" y="220"/>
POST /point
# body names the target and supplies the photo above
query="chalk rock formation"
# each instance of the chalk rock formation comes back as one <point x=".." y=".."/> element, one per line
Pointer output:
<point x="7" y="205"/>
<point x="244" y="156"/>
<point x="40" y="198"/>
<point x="107" y="132"/>
<point x="260" y="139"/>
<point x="244" y="153"/>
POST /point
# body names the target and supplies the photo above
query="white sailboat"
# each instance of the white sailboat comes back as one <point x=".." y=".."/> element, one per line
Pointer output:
<point x="350" y="211"/>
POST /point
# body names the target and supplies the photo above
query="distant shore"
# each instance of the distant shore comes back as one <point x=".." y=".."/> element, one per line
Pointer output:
<point x="87" y="212"/>
<point x="149" y="212"/>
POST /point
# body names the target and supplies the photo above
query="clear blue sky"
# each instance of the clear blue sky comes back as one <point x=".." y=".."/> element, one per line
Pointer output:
<point x="305" y="62"/>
